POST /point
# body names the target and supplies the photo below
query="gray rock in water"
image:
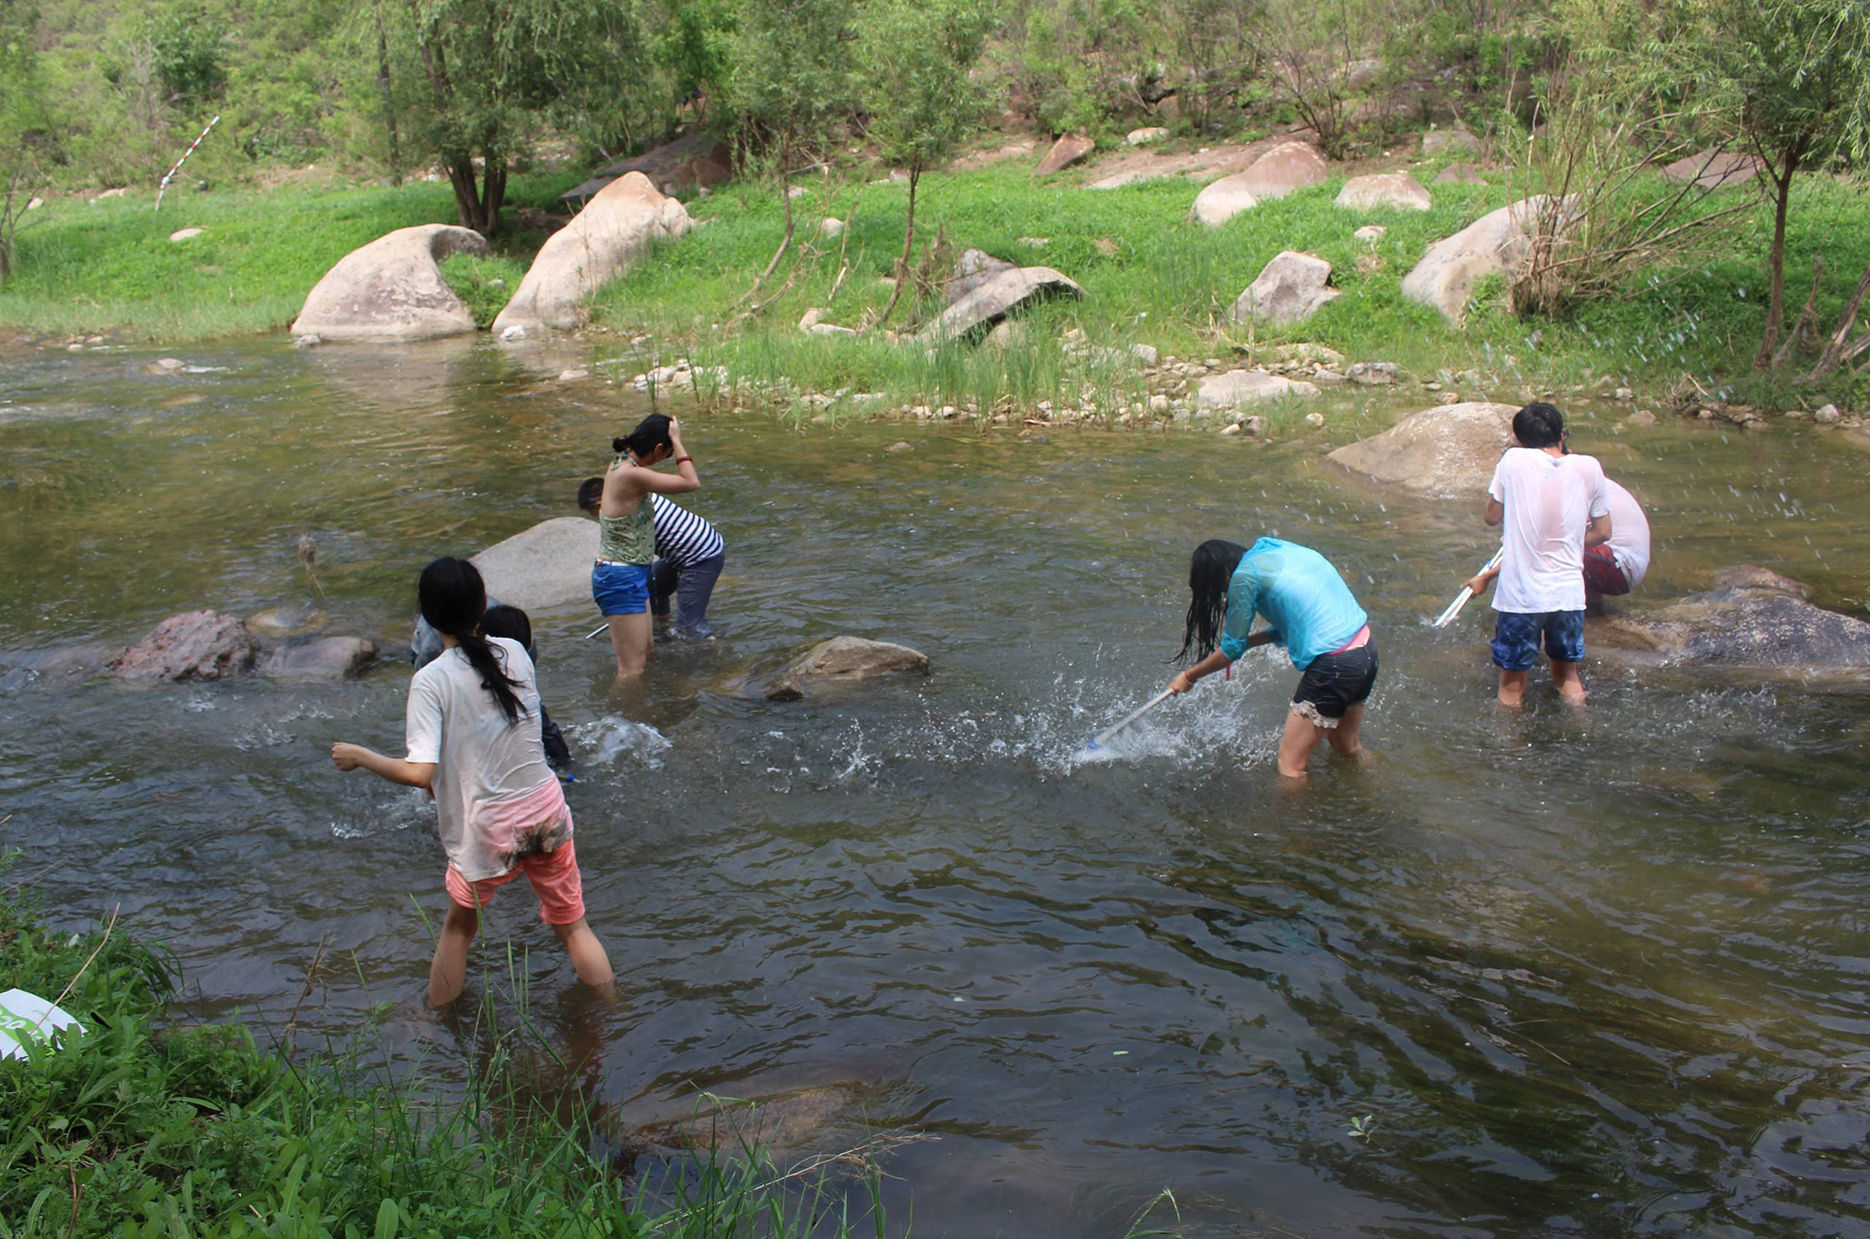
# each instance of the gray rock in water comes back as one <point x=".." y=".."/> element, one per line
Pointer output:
<point x="1745" y="627"/>
<point x="995" y="299"/>
<point x="844" y="660"/>
<point x="1289" y="289"/>
<point x="196" y="645"/>
<point x="327" y="659"/>
<point x="392" y="289"/>
<point x="546" y="566"/>
<point x="290" y="620"/>
<point x="1447" y="451"/>
<point x="1752" y="576"/>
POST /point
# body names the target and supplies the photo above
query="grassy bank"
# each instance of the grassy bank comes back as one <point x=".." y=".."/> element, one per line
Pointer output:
<point x="92" y="266"/>
<point x="145" y="1127"/>
<point x="1150" y="276"/>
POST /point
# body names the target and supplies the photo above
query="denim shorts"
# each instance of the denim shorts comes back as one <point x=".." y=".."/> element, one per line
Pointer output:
<point x="620" y="589"/>
<point x="1516" y="638"/>
<point x="1333" y="683"/>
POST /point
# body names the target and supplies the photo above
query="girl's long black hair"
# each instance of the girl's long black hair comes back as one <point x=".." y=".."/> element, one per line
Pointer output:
<point x="650" y="433"/>
<point x="453" y="597"/>
<point x="1210" y="569"/>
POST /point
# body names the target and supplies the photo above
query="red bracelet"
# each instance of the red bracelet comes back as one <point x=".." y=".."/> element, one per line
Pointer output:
<point x="682" y="460"/>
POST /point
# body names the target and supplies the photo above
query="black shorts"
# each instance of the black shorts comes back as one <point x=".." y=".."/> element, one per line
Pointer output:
<point x="1333" y="683"/>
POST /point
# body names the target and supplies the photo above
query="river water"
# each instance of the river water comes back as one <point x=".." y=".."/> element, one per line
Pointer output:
<point x="1597" y="973"/>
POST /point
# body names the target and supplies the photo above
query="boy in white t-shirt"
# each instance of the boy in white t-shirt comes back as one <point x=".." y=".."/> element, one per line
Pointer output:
<point x="1551" y="505"/>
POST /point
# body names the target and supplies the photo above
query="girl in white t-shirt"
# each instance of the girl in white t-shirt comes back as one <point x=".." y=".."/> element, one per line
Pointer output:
<point x="472" y="732"/>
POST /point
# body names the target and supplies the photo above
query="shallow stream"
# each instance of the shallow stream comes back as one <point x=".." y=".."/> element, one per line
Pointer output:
<point x="1562" y="973"/>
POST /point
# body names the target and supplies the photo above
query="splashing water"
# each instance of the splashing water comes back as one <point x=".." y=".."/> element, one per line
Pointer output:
<point x="608" y="739"/>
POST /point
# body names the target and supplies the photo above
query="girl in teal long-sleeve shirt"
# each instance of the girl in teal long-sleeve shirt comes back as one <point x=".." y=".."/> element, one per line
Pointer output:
<point x="1310" y="611"/>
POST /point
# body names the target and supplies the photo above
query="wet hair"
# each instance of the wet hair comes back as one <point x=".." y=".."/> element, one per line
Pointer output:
<point x="1539" y="425"/>
<point x="453" y="598"/>
<point x="650" y="433"/>
<point x="1210" y="569"/>
<point x="590" y="494"/>
<point x="508" y="622"/>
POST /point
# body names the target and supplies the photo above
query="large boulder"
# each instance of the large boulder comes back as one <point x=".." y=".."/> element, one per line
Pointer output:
<point x="546" y="566"/>
<point x="1066" y="151"/>
<point x="1444" y="452"/>
<point x="971" y="270"/>
<point x="993" y="300"/>
<point x="695" y="161"/>
<point x="844" y="660"/>
<point x="1289" y="289"/>
<point x="1713" y="168"/>
<point x="1287" y="167"/>
<point x="1436" y="141"/>
<point x="607" y="238"/>
<point x="1239" y="388"/>
<point x="1221" y="201"/>
<point x="1396" y="191"/>
<point x="1497" y="242"/>
<point x="392" y="289"/>
<point x="1746" y="628"/>
<point x="327" y="659"/>
<point x="196" y="645"/>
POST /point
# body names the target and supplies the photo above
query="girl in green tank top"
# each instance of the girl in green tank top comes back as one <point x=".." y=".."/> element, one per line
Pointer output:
<point x="626" y="542"/>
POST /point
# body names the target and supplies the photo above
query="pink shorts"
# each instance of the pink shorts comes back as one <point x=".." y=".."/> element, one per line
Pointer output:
<point x="554" y="878"/>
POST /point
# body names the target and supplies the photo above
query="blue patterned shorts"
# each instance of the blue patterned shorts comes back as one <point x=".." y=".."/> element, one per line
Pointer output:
<point x="1516" y="638"/>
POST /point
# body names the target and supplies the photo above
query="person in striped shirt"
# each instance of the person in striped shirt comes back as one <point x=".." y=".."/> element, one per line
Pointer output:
<point x="689" y="557"/>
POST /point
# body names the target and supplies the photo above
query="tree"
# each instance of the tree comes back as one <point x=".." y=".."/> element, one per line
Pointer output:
<point x="791" y="76"/>
<point x="23" y="118"/>
<point x="1795" y="79"/>
<point x="496" y="69"/>
<point x="918" y="57"/>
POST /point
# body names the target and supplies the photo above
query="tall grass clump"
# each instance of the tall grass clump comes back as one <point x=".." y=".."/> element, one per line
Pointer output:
<point x="145" y="1127"/>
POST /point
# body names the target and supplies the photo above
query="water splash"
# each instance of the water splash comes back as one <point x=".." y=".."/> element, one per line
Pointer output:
<point x="607" y="740"/>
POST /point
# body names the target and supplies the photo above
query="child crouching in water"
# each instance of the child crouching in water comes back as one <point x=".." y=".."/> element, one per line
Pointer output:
<point x="472" y="732"/>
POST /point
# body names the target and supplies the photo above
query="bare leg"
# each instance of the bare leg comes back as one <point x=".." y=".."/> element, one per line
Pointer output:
<point x="1570" y="683"/>
<point x="631" y="637"/>
<point x="448" y="970"/>
<point x="1295" y="747"/>
<point x="587" y="954"/>
<point x="1513" y="688"/>
<point x="1344" y="738"/>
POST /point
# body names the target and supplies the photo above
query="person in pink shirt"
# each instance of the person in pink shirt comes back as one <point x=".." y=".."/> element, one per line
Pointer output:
<point x="472" y="734"/>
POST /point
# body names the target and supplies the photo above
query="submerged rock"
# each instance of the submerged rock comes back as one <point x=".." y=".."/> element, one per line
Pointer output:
<point x="607" y="238"/>
<point x="844" y="660"/>
<point x="330" y="658"/>
<point x="1447" y="451"/>
<point x="196" y="645"/>
<point x="392" y="289"/>
<point x="1744" y="627"/>
<point x="546" y="566"/>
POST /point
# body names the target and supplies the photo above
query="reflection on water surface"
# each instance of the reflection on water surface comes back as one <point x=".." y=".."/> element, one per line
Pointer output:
<point x="1586" y="973"/>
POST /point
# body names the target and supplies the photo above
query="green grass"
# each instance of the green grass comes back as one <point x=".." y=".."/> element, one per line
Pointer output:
<point x="1150" y="276"/>
<point x="1153" y="277"/>
<point x="109" y="267"/>
<point x="143" y="1128"/>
